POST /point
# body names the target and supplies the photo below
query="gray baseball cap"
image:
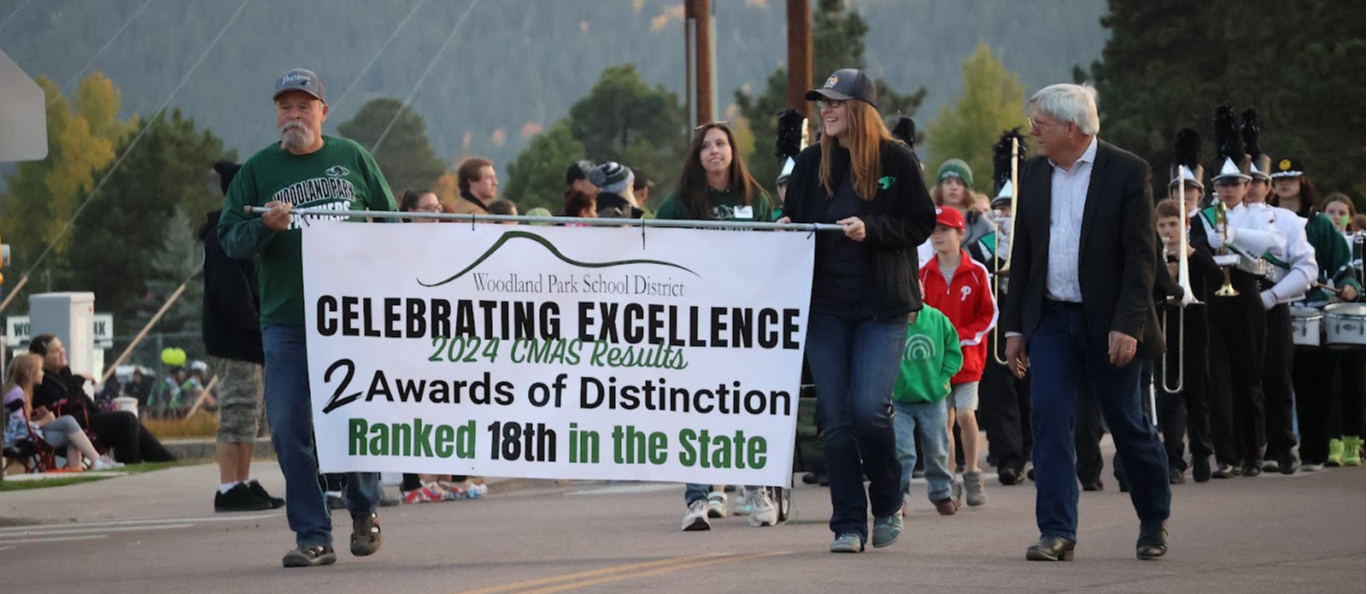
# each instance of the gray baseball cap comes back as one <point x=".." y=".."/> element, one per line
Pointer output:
<point x="300" y="79"/>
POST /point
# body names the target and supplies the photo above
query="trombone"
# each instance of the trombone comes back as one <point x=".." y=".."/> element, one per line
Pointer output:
<point x="1188" y="298"/>
<point x="999" y="269"/>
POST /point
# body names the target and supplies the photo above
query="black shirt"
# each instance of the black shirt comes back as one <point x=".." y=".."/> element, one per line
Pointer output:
<point x="844" y="268"/>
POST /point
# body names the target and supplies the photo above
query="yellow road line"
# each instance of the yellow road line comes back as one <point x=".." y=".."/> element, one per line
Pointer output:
<point x="648" y="573"/>
<point x="590" y="574"/>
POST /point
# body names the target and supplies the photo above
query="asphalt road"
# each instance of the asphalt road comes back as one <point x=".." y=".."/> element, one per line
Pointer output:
<point x="1303" y="533"/>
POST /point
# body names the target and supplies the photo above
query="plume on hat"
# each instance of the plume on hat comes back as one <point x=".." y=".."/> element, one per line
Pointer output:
<point x="1001" y="156"/>
<point x="788" y="142"/>
<point x="905" y="131"/>
<point x="1227" y="140"/>
<point x="1187" y="149"/>
<point x="1250" y="130"/>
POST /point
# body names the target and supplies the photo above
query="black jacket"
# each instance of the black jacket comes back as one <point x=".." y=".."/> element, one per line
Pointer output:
<point x="899" y="218"/>
<point x="63" y="394"/>
<point x="1116" y="259"/>
<point x="232" y="303"/>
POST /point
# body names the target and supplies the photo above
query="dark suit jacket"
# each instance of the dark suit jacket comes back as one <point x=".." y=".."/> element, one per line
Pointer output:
<point x="1116" y="260"/>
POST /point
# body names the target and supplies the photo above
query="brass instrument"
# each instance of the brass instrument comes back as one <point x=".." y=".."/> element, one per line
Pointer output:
<point x="1221" y="224"/>
<point x="1000" y="269"/>
<point x="1188" y="298"/>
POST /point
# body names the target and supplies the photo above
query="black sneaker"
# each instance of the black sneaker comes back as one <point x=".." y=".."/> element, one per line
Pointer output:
<point x="1288" y="464"/>
<point x="260" y="492"/>
<point x="1252" y="468"/>
<point x="1176" y="477"/>
<point x="309" y="556"/>
<point x="335" y="502"/>
<point x="1200" y="470"/>
<point x="365" y="535"/>
<point x="1224" y="471"/>
<point x="240" y="498"/>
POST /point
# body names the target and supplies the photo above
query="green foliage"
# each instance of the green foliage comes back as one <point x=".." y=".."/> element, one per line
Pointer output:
<point x="623" y="119"/>
<point x="537" y="176"/>
<point x="837" y="42"/>
<point x="160" y="189"/>
<point x="1169" y="63"/>
<point x="991" y="102"/>
<point x="405" y="156"/>
<point x="180" y="258"/>
<point x="41" y="196"/>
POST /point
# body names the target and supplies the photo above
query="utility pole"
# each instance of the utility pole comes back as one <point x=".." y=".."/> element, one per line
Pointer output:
<point x="799" y="53"/>
<point x="698" y="46"/>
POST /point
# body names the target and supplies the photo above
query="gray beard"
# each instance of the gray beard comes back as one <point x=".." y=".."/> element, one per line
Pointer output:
<point x="296" y="139"/>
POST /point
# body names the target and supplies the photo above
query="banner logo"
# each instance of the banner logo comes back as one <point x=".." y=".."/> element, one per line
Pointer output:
<point x="511" y="235"/>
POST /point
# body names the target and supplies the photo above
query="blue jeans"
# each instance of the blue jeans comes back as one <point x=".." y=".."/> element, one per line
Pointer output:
<point x="290" y="414"/>
<point x="1059" y="361"/>
<point x="931" y="421"/>
<point x="854" y="364"/>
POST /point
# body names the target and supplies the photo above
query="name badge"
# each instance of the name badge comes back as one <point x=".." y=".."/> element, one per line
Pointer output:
<point x="745" y="212"/>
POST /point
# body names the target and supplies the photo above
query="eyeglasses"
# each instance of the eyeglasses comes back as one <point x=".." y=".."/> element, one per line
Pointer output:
<point x="722" y="124"/>
<point x="831" y="103"/>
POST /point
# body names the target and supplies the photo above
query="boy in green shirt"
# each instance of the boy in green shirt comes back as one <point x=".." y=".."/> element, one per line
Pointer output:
<point x="930" y="358"/>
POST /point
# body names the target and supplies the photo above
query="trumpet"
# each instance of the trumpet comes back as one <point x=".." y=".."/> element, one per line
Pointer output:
<point x="1188" y="298"/>
<point x="1221" y="225"/>
<point x="999" y="269"/>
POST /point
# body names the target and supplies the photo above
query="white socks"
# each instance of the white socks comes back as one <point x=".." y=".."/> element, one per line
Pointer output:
<point x="225" y="487"/>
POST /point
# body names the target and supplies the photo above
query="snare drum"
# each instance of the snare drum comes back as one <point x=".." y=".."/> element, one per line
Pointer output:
<point x="1344" y="325"/>
<point x="1305" y="326"/>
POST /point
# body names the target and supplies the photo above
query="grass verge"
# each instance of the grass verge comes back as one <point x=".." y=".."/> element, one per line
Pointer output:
<point x="48" y="483"/>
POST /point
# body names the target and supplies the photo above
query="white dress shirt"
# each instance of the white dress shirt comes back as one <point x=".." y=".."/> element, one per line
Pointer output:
<point x="1252" y="231"/>
<point x="1069" y="199"/>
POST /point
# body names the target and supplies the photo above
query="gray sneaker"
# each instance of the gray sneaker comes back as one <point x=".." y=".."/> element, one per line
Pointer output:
<point x="887" y="530"/>
<point x="957" y="494"/>
<point x="696" y="518"/>
<point x="365" y="535"/>
<point x="973" y="484"/>
<point x="847" y="543"/>
<point x="716" y="504"/>
<point x="763" y="512"/>
<point x="309" y="556"/>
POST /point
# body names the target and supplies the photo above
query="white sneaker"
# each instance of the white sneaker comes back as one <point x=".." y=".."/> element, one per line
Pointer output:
<point x="696" y="518"/>
<point x="103" y="464"/>
<point x="740" y="506"/>
<point x="716" y="504"/>
<point x="763" y="512"/>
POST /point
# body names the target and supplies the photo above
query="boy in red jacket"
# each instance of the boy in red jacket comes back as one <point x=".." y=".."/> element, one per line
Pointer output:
<point x="958" y="286"/>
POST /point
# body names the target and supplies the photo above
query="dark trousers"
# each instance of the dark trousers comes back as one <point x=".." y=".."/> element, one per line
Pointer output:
<point x="855" y="364"/>
<point x="1277" y="362"/>
<point x="1323" y="411"/>
<point x="1186" y="413"/>
<point x="1004" y="411"/>
<point x="1061" y="360"/>
<point x="1238" y="336"/>
<point x="132" y="442"/>
<point x="1087" y="436"/>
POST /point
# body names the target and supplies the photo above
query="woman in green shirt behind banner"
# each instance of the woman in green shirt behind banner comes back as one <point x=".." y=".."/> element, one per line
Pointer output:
<point x="716" y="186"/>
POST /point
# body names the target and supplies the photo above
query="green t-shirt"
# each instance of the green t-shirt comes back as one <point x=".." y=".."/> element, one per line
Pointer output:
<point x="725" y="206"/>
<point x="930" y="358"/>
<point x="340" y="176"/>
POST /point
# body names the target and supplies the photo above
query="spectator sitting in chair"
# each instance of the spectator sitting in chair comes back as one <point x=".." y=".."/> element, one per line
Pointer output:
<point x="61" y="391"/>
<point x="28" y="423"/>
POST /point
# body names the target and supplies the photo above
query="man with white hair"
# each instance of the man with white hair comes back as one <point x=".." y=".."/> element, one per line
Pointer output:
<point x="1080" y="308"/>
<point x="303" y="169"/>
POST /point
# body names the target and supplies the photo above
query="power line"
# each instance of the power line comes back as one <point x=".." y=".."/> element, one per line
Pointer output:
<point x="131" y="145"/>
<point x="16" y="11"/>
<point x="425" y="72"/>
<point x="377" y="53"/>
<point x="77" y="77"/>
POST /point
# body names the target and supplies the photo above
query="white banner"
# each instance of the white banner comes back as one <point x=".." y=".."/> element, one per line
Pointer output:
<point x="18" y="334"/>
<point x="553" y="352"/>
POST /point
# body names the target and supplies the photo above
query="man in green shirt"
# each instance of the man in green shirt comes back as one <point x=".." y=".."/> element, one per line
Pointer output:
<point x="305" y="169"/>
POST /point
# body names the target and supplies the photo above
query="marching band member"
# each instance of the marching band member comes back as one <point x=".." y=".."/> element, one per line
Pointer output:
<point x="1313" y="369"/>
<point x="1286" y="280"/>
<point x="1238" y="325"/>
<point x="1187" y="413"/>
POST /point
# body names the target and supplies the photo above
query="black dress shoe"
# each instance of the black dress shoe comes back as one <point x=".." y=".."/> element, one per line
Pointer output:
<point x="1153" y="541"/>
<point x="1009" y="476"/>
<point x="1095" y="485"/>
<point x="1051" y="548"/>
<point x="1176" y="477"/>
<point x="1252" y="468"/>
<point x="238" y="499"/>
<point x="1288" y="464"/>
<point x="1224" y="471"/>
<point x="1200" y="470"/>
